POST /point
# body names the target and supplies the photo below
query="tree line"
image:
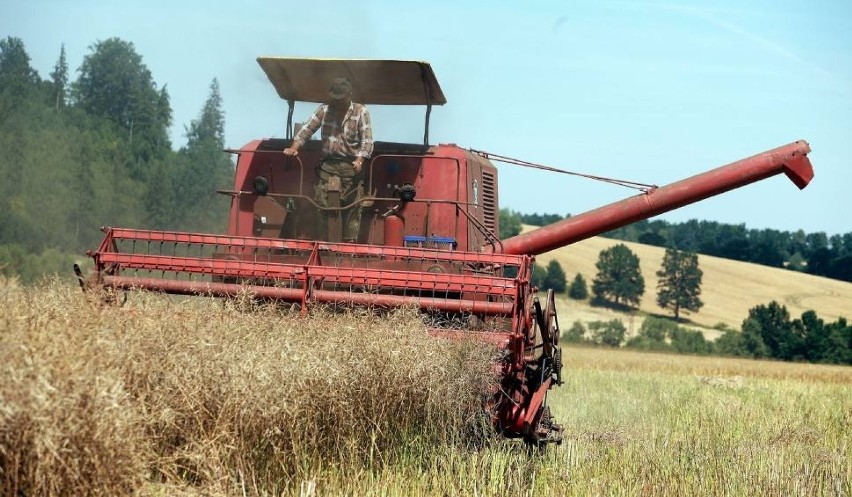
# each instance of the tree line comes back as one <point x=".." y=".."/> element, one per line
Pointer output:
<point x="768" y="332"/>
<point x="84" y="152"/>
<point x="813" y="253"/>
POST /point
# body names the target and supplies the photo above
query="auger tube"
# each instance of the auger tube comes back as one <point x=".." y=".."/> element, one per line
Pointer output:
<point x="789" y="159"/>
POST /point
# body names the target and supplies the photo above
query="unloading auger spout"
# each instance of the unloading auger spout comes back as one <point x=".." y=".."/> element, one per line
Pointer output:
<point x="789" y="159"/>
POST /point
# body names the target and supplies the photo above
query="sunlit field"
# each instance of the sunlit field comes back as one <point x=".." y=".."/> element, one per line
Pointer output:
<point x="175" y="396"/>
<point x="729" y="288"/>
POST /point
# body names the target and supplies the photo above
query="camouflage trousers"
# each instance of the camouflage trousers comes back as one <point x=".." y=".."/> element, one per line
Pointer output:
<point x="351" y="189"/>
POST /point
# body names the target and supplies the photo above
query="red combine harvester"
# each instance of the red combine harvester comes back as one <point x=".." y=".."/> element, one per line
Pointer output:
<point x="429" y="235"/>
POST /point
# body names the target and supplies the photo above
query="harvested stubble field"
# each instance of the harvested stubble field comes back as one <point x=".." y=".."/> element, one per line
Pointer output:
<point x="167" y="396"/>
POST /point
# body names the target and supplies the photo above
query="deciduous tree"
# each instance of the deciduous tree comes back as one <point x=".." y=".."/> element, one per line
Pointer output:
<point x="770" y="333"/>
<point x="510" y="223"/>
<point x="619" y="279"/>
<point x="115" y="84"/>
<point x="17" y="77"/>
<point x="610" y="333"/>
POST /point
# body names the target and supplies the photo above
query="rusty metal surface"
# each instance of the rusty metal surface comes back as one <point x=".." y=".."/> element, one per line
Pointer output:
<point x="300" y="271"/>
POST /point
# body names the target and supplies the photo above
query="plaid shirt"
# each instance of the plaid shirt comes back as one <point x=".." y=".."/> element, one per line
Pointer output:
<point x="351" y="138"/>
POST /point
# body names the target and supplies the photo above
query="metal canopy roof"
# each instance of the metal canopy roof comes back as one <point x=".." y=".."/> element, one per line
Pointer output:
<point x="381" y="82"/>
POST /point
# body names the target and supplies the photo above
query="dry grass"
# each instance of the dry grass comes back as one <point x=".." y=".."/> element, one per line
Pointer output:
<point x="583" y="358"/>
<point x="641" y="423"/>
<point x="191" y="397"/>
<point x="191" y="393"/>
<point x="729" y="288"/>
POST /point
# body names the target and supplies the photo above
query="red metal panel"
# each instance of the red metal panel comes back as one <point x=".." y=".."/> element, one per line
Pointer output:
<point x="424" y="281"/>
<point x="536" y="401"/>
<point x="285" y="244"/>
<point x="297" y="295"/>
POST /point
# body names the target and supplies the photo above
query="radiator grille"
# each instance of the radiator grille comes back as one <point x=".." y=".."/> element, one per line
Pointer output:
<point x="489" y="201"/>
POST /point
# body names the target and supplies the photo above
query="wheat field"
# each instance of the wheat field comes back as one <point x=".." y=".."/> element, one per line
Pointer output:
<point x="194" y="396"/>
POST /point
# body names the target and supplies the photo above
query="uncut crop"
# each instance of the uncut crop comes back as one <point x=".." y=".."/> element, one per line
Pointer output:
<point x="173" y="396"/>
<point x="164" y="395"/>
<point x="664" y="424"/>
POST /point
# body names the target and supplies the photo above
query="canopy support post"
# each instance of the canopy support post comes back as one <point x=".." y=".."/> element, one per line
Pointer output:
<point x="289" y="131"/>
<point x="426" y="131"/>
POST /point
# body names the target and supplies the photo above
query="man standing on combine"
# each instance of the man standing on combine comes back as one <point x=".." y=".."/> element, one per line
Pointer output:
<point x="347" y="137"/>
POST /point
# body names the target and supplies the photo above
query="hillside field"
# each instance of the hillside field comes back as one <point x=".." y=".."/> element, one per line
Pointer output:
<point x="729" y="288"/>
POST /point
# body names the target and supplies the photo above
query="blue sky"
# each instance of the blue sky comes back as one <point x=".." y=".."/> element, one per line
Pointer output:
<point x="647" y="91"/>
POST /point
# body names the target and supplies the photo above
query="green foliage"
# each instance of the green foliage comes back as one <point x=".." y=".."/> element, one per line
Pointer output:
<point x="815" y="253"/>
<point x="722" y="326"/>
<point x="797" y="262"/>
<point x="115" y="84"/>
<point x="30" y="267"/>
<point x="652" y="238"/>
<point x="577" y="289"/>
<point x="554" y="277"/>
<point x="18" y="80"/>
<point x="510" y="224"/>
<point x="752" y="340"/>
<point x="610" y="333"/>
<point x="770" y="332"/>
<point x="203" y="169"/>
<point x="820" y="342"/>
<point x="679" y="284"/>
<point x="832" y="344"/>
<point x="59" y="79"/>
<point x="619" y="279"/>
<point x="541" y="219"/>
<point x="731" y="343"/>
<point x="772" y="324"/>
<point x="575" y="334"/>
<point x="662" y="335"/>
<point x="101" y="158"/>
<point x="685" y="341"/>
<point x="657" y="329"/>
<point x="652" y="335"/>
<point x="538" y="275"/>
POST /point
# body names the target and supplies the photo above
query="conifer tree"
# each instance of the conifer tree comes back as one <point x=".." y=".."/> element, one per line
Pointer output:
<point x="204" y="167"/>
<point x="554" y="277"/>
<point x="578" y="289"/>
<point x="679" y="284"/>
<point x="59" y="77"/>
